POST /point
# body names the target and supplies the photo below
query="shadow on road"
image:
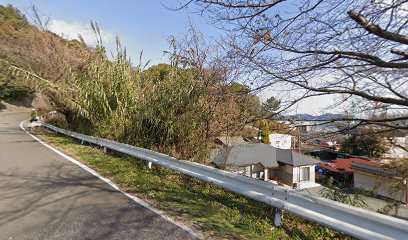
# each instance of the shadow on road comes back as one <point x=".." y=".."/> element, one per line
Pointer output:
<point x="64" y="202"/>
<point x="19" y="103"/>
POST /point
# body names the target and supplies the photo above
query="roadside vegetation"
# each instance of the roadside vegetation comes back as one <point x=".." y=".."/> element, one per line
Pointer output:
<point x="176" y="108"/>
<point x="218" y="213"/>
<point x="28" y="54"/>
<point x="339" y="195"/>
<point x="365" y="144"/>
<point x="35" y="49"/>
<point x="10" y="91"/>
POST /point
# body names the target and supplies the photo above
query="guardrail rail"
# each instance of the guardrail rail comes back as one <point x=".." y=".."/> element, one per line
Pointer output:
<point x="357" y="222"/>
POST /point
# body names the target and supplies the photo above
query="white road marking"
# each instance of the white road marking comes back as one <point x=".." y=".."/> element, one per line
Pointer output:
<point x="113" y="185"/>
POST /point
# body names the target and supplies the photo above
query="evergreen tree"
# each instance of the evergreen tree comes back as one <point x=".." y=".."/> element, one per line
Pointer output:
<point x="364" y="145"/>
<point x="264" y="126"/>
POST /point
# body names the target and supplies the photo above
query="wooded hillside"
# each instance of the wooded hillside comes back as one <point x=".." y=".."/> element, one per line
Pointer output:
<point x="177" y="108"/>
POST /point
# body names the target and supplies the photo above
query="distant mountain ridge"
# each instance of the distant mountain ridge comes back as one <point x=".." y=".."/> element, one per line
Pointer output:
<point x="309" y="117"/>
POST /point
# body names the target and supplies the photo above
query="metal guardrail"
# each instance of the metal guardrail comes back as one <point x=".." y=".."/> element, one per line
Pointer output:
<point x="357" y="222"/>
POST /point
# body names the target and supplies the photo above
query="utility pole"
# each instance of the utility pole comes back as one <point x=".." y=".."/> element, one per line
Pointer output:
<point x="298" y="132"/>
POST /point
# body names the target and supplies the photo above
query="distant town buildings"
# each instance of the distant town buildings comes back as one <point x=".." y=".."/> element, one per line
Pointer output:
<point x="284" y="162"/>
<point x="301" y="126"/>
<point x="308" y="126"/>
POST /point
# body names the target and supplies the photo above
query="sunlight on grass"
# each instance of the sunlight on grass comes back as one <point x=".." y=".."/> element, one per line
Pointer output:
<point x="216" y="212"/>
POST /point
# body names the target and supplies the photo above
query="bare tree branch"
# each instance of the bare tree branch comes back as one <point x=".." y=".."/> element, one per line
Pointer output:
<point x="375" y="29"/>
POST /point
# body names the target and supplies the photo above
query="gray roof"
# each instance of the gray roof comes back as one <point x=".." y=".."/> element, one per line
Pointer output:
<point x="294" y="158"/>
<point x="268" y="156"/>
<point x="231" y="141"/>
<point x="248" y="154"/>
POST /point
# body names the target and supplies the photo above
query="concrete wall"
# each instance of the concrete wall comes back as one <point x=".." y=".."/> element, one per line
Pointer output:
<point x="302" y="183"/>
<point x="257" y="171"/>
<point x="296" y="174"/>
<point x="297" y="170"/>
<point x="370" y="182"/>
<point x="312" y="172"/>
<point x="284" y="173"/>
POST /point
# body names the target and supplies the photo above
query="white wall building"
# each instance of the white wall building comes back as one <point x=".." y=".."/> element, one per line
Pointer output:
<point x="283" y="141"/>
<point x="372" y="177"/>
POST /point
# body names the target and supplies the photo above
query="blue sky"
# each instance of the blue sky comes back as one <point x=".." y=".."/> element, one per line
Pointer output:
<point x="141" y="25"/>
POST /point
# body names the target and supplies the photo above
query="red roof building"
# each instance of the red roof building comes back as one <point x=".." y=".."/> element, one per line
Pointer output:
<point x="343" y="165"/>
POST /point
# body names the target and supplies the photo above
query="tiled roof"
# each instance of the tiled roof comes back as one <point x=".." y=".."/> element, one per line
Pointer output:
<point x="295" y="158"/>
<point x="344" y="165"/>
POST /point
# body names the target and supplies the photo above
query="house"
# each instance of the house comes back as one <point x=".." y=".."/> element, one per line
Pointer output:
<point x="283" y="141"/>
<point x="371" y="176"/>
<point x="340" y="170"/>
<point x="269" y="163"/>
<point x="295" y="169"/>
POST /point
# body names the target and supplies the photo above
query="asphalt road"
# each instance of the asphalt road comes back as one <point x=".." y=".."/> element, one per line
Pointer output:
<point x="43" y="196"/>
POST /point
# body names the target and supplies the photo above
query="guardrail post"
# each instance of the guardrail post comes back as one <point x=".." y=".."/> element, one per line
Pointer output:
<point x="149" y="165"/>
<point x="82" y="142"/>
<point x="278" y="217"/>
<point x="104" y="149"/>
<point x="360" y="223"/>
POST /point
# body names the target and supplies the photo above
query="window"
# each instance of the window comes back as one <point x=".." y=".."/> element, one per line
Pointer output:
<point x="305" y="174"/>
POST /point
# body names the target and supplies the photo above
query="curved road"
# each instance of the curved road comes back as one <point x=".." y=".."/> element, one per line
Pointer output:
<point x="43" y="196"/>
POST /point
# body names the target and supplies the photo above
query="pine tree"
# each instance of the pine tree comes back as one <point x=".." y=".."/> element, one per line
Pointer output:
<point x="264" y="126"/>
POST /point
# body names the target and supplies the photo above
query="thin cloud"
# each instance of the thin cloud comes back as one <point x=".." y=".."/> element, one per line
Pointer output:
<point x="71" y="29"/>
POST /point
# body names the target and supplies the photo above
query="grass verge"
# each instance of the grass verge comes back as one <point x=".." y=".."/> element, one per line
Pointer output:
<point x="216" y="212"/>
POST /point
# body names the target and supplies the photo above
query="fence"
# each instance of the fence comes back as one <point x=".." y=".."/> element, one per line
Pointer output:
<point x="357" y="222"/>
